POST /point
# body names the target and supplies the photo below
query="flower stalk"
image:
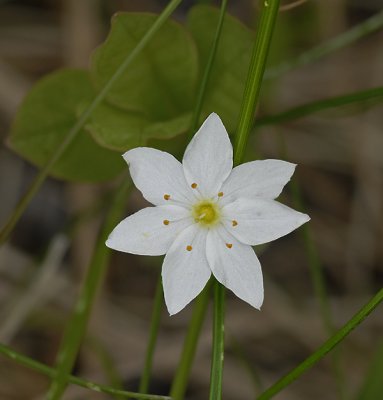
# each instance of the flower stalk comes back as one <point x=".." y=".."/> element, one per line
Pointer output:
<point x="218" y="342"/>
<point x="269" y="12"/>
<point x="180" y="380"/>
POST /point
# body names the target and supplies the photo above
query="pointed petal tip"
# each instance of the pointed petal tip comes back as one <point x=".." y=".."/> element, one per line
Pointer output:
<point x="173" y="310"/>
<point x="258" y="306"/>
<point x="127" y="154"/>
<point x="108" y="243"/>
<point x="214" y="115"/>
<point x="214" y="118"/>
<point x="257" y="303"/>
<point x="303" y="219"/>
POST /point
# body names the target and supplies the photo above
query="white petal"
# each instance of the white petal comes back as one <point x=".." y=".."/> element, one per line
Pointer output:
<point x="185" y="273"/>
<point x="208" y="159"/>
<point x="261" y="178"/>
<point x="145" y="232"/>
<point x="237" y="267"/>
<point x="259" y="221"/>
<point x="156" y="174"/>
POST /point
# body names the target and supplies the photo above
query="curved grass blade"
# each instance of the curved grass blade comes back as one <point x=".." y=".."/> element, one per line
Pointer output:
<point x="321" y="105"/>
<point x="51" y="372"/>
<point x="40" y="178"/>
<point x="367" y="27"/>
<point x="326" y="347"/>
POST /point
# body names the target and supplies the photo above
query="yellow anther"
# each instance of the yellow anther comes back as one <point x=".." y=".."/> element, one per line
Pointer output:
<point x="194" y="185"/>
<point x="189" y="248"/>
<point x="220" y="194"/>
<point x="234" y="222"/>
<point x="166" y="196"/>
<point x="229" y="245"/>
<point x="166" y="222"/>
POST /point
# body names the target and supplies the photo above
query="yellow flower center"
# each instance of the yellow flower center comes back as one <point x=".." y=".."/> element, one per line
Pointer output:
<point x="206" y="213"/>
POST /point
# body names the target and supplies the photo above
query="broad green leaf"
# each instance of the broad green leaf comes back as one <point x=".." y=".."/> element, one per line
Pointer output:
<point x="228" y="76"/>
<point x="44" y="119"/>
<point x="160" y="82"/>
<point x="121" y="130"/>
<point x="372" y="388"/>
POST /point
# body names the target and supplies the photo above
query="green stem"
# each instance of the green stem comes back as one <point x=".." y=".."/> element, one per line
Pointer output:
<point x="351" y="36"/>
<point x="206" y="74"/>
<point x="77" y="325"/>
<point x="154" y="328"/>
<point x="320" y="105"/>
<point x="181" y="377"/>
<point x="269" y="12"/>
<point x="324" y="349"/>
<point x="180" y="380"/>
<point x="51" y="372"/>
<point x="40" y="178"/>
<point x="218" y="342"/>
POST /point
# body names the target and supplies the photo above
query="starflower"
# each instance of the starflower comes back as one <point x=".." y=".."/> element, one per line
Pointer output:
<point x="207" y="215"/>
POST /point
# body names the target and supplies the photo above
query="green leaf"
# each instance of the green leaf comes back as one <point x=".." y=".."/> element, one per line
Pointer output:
<point x="227" y="83"/>
<point x="121" y="130"/>
<point x="343" y="105"/>
<point x="160" y="83"/>
<point x="45" y="118"/>
<point x="372" y="388"/>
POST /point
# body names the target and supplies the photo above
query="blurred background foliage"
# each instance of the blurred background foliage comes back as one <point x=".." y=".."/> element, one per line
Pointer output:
<point x="49" y="73"/>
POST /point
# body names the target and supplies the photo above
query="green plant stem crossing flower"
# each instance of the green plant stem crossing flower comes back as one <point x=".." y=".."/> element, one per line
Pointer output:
<point x="207" y="215"/>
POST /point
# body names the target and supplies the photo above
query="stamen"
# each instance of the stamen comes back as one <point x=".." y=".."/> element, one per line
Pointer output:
<point x="166" y="196"/>
<point x="194" y="185"/>
<point x="189" y="248"/>
<point x="234" y="222"/>
<point x="229" y="245"/>
<point x="220" y="194"/>
<point x="166" y="222"/>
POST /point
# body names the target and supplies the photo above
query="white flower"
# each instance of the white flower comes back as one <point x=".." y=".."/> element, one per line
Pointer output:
<point x="207" y="215"/>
